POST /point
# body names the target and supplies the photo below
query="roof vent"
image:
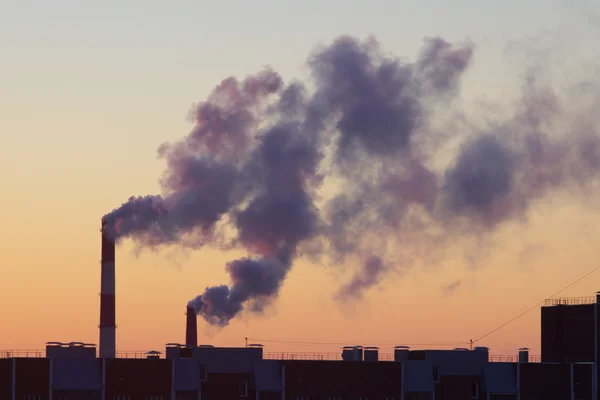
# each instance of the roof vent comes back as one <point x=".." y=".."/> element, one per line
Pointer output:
<point x="352" y="353"/>
<point x="153" y="354"/>
<point x="523" y="355"/>
<point x="401" y="353"/>
<point x="371" y="353"/>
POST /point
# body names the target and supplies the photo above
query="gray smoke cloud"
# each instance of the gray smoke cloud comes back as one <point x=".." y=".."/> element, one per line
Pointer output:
<point x="257" y="280"/>
<point x="346" y="171"/>
<point x="370" y="274"/>
<point x="547" y="146"/>
<point x="482" y="180"/>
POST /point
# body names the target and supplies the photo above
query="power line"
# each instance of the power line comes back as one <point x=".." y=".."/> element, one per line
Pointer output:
<point x="537" y="305"/>
<point x="346" y="343"/>
<point x="436" y="344"/>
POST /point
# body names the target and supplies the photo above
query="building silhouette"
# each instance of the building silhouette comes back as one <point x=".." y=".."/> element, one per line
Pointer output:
<point x="567" y="370"/>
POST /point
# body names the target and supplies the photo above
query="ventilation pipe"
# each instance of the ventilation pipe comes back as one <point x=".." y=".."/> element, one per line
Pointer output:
<point x="523" y="355"/>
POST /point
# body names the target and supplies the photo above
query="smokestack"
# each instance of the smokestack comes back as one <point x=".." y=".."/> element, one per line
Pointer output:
<point x="108" y="334"/>
<point x="191" y="328"/>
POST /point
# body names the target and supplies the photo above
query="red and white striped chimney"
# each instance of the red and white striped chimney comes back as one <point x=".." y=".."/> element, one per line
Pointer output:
<point x="108" y="327"/>
<point x="191" y="328"/>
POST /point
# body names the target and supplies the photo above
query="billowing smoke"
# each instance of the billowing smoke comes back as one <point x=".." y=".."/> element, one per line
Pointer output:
<point x="347" y="171"/>
<point x="367" y="276"/>
<point x="499" y="174"/>
<point x="255" y="280"/>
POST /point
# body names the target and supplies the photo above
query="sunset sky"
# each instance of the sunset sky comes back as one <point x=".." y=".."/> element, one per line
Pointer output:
<point x="90" y="90"/>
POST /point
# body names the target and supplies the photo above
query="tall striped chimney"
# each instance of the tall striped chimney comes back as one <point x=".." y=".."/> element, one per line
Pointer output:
<point x="191" y="328"/>
<point x="108" y="334"/>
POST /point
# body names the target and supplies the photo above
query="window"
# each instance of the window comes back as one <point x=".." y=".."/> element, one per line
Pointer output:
<point x="32" y="397"/>
<point x="474" y="390"/>
<point x="243" y="388"/>
<point x="436" y="374"/>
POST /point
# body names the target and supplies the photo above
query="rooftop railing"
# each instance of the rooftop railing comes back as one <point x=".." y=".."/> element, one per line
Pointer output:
<point x="42" y="354"/>
<point x="22" y="353"/>
<point x="135" y="354"/>
<point x="266" y="355"/>
<point x="315" y="356"/>
<point x="512" y="358"/>
<point x="382" y="357"/>
<point x="569" y="301"/>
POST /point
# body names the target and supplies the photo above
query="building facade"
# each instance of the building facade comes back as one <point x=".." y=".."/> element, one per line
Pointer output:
<point x="567" y="371"/>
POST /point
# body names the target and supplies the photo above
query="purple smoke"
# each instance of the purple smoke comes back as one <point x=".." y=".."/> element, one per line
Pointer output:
<point x="348" y="171"/>
<point x="481" y="180"/>
<point x="498" y="175"/>
<point x="256" y="280"/>
<point x="225" y="123"/>
<point x="370" y="274"/>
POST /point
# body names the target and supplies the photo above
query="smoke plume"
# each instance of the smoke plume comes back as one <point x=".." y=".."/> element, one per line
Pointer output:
<point x="368" y="276"/>
<point x="348" y="170"/>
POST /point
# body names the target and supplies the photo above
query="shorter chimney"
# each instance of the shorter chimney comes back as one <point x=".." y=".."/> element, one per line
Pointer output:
<point x="523" y="355"/>
<point x="191" y="328"/>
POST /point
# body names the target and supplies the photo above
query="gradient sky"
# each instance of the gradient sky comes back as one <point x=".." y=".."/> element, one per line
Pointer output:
<point x="89" y="91"/>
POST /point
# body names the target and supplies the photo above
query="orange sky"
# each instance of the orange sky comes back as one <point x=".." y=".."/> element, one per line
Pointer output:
<point x="82" y="124"/>
<point x="51" y="276"/>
